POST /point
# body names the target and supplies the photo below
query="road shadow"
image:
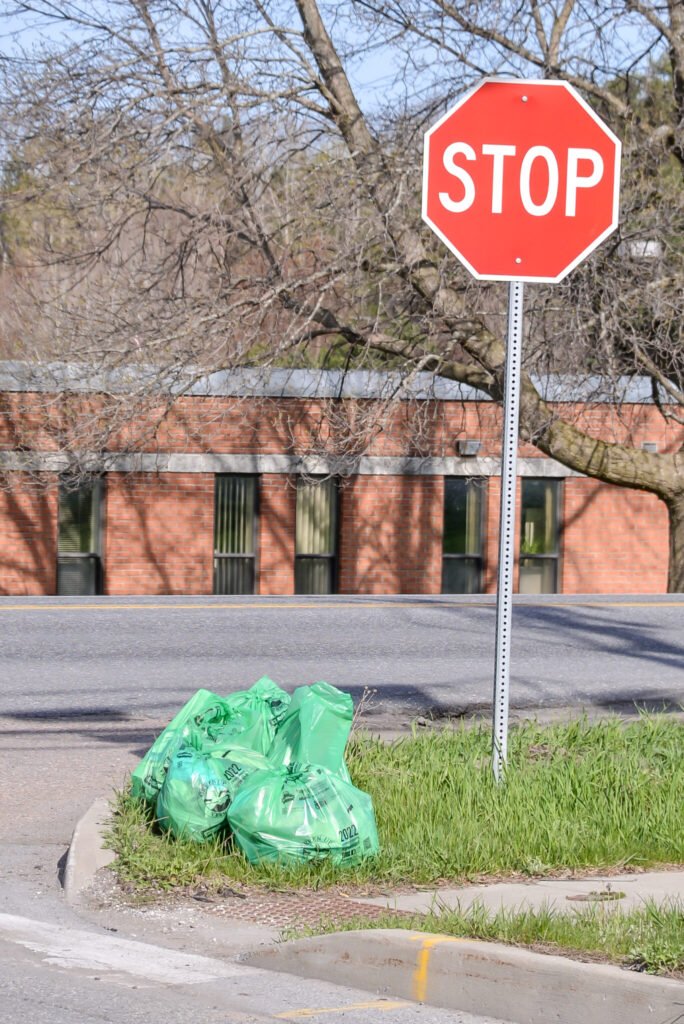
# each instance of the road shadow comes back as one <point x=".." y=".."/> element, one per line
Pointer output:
<point x="599" y="630"/>
<point x="72" y="714"/>
<point x="46" y="728"/>
<point x="623" y="637"/>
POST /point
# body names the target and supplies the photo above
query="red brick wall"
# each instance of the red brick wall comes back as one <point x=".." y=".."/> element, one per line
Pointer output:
<point x="614" y="540"/>
<point x="28" y="538"/>
<point x="158" y="536"/>
<point x="277" y="509"/>
<point x="159" y="533"/>
<point x="216" y="424"/>
<point x="159" y="528"/>
<point x="391" y="535"/>
<point x="491" y="533"/>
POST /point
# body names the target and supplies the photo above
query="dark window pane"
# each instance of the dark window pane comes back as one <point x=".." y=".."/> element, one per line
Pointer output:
<point x="314" y="575"/>
<point x="234" y="534"/>
<point x="462" y="516"/>
<point x="462" y="537"/>
<point x="77" y="515"/>
<point x="78" y="540"/>
<point x="539" y="517"/>
<point x="316" y="536"/>
<point x="234" y="515"/>
<point x="316" y="528"/>
<point x="461" y="576"/>
<point x="234" y="575"/>
<point x="539" y="536"/>
<point x="538" y="576"/>
<point x="77" y="576"/>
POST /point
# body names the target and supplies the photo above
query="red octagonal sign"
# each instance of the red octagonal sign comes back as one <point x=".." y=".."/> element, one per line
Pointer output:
<point x="521" y="180"/>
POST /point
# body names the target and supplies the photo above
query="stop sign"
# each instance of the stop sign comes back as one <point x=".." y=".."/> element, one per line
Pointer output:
<point x="521" y="180"/>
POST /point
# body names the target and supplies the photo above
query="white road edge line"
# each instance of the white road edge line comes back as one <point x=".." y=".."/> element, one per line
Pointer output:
<point x="75" y="948"/>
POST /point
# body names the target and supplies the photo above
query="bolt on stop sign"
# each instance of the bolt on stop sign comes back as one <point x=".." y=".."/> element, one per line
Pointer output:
<point x="521" y="180"/>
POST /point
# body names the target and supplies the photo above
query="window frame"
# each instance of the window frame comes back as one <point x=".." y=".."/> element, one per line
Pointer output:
<point x="476" y="481"/>
<point x="233" y="555"/>
<point x="555" y="556"/>
<point x="95" y="555"/>
<point x="331" y="557"/>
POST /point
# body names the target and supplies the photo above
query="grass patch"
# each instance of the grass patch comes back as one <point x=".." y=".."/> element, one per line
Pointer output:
<point x="577" y="796"/>
<point x="649" y="939"/>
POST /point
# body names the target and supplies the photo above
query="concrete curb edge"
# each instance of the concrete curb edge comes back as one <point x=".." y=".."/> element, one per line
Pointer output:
<point x="86" y="854"/>
<point x="485" y="978"/>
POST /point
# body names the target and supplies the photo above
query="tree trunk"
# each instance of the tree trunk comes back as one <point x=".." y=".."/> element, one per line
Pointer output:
<point x="675" y="575"/>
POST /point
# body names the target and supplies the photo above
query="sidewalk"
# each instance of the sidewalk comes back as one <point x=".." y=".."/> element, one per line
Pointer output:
<point x="464" y="975"/>
<point x="560" y="893"/>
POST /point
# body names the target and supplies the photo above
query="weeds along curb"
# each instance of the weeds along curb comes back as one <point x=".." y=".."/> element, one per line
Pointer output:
<point x="482" y="978"/>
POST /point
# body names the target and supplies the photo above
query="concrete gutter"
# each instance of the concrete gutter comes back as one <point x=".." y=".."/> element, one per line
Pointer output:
<point x="86" y="854"/>
<point x="483" y="978"/>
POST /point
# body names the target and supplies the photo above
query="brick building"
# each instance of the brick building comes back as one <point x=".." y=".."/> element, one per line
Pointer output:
<point x="310" y="482"/>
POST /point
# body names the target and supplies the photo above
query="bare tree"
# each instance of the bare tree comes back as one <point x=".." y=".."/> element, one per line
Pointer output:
<point x="202" y="185"/>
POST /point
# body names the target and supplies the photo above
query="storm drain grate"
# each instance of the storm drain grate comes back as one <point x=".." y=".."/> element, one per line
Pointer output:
<point x="287" y="910"/>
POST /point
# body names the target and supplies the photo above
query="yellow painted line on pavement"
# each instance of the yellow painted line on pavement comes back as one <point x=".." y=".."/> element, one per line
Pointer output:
<point x="620" y="604"/>
<point x="314" y="605"/>
<point x="421" y="973"/>
<point x="223" y="605"/>
<point x="375" y="1004"/>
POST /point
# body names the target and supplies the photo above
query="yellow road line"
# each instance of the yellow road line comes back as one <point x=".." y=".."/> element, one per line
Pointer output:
<point x="223" y="605"/>
<point x="375" y="1004"/>
<point x="619" y="604"/>
<point x="314" y="605"/>
<point x="421" y="973"/>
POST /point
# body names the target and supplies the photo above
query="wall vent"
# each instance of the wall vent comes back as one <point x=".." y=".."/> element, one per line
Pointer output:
<point x="468" y="446"/>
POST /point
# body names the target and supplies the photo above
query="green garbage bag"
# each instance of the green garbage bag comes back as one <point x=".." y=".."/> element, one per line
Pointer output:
<point x="302" y="813"/>
<point x="148" y="776"/>
<point x="199" y="788"/>
<point x="247" y="718"/>
<point x="252" y="718"/>
<point x="315" y="729"/>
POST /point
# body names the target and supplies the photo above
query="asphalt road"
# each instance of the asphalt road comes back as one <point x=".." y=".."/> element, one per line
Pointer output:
<point x="114" y="659"/>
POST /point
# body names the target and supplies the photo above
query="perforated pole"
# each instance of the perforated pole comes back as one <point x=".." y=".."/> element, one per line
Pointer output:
<point x="504" y="591"/>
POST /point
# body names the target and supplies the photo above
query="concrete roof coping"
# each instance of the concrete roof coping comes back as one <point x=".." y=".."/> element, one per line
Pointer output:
<point x="270" y="382"/>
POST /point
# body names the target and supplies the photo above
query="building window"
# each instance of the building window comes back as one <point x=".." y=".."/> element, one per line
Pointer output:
<point x="539" y="536"/>
<point x="316" y="537"/>
<point x="462" y="544"/>
<point x="235" y="513"/>
<point x="79" y="544"/>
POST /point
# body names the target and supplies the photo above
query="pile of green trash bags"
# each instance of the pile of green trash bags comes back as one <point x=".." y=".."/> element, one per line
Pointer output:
<point x="267" y="766"/>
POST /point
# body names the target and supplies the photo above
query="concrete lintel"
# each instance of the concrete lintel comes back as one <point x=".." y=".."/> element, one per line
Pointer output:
<point x="369" y="465"/>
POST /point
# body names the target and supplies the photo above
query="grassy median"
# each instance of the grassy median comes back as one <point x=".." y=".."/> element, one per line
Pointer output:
<point x="577" y="796"/>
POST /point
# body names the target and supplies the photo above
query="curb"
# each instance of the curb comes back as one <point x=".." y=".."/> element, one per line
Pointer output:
<point x="86" y="855"/>
<point x="482" y="978"/>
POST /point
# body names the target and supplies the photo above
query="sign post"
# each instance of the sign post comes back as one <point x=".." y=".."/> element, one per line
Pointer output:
<point x="506" y="569"/>
<point x="521" y="182"/>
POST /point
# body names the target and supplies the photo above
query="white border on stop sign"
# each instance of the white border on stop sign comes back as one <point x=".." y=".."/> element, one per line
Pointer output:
<point x="552" y="82"/>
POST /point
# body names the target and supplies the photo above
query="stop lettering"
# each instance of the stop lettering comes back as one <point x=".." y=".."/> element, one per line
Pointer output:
<point x="521" y="180"/>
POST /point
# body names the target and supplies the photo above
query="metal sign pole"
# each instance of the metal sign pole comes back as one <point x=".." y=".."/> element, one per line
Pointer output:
<point x="504" y="590"/>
